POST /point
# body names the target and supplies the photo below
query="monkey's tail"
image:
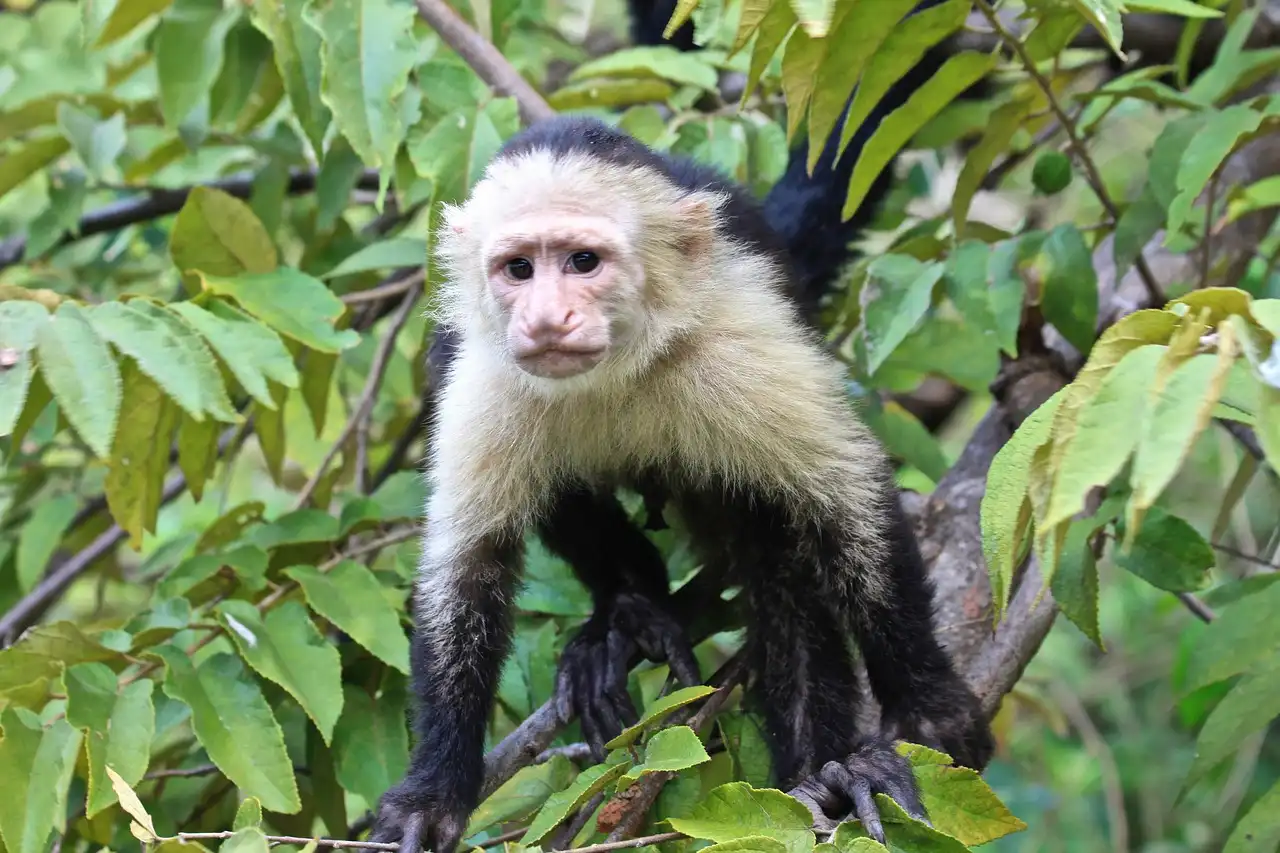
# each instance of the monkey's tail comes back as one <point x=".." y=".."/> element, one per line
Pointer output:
<point x="806" y="209"/>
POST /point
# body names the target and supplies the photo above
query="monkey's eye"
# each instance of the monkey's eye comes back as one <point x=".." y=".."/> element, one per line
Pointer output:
<point x="584" y="262"/>
<point x="520" y="269"/>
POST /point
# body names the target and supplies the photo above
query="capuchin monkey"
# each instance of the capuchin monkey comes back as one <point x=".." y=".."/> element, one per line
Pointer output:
<point x="615" y="317"/>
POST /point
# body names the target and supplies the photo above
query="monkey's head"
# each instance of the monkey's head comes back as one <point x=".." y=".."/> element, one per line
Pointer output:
<point x="573" y="255"/>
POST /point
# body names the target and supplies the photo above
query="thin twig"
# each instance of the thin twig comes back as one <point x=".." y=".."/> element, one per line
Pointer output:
<point x="485" y="59"/>
<point x="386" y="290"/>
<point x="1198" y="607"/>
<point x="284" y="839"/>
<point x="183" y="772"/>
<point x="364" y="407"/>
<point x="1113" y="790"/>
<point x="1073" y="136"/>
<point x="1243" y="555"/>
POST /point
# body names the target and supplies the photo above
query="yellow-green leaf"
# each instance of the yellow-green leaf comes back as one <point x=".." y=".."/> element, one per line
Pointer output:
<point x="218" y="234"/>
<point x="351" y="597"/>
<point x="140" y="455"/>
<point x="79" y="369"/>
<point x="291" y="302"/>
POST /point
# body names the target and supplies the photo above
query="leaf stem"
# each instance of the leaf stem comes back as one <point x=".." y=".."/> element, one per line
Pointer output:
<point x="1073" y="136"/>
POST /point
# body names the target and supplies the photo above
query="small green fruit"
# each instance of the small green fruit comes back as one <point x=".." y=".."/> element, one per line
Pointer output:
<point x="1052" y="172"/>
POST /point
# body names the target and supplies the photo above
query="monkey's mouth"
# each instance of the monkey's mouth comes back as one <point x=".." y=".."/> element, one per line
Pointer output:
<point x="560" y="362"/>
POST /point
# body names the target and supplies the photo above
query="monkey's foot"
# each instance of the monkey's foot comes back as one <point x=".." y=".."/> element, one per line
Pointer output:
<point x="417" y="821"/>
<point x="592" y="679"/>
<point x="846" y="789"/>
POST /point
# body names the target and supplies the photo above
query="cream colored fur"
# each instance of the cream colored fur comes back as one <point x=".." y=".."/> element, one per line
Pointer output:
<point x="722" y="382"/>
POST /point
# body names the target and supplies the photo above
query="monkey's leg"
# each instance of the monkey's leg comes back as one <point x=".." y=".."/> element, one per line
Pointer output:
<point x="627" y="579"/>
<point x="922" y="697"/>
<point x="462" y="638"/>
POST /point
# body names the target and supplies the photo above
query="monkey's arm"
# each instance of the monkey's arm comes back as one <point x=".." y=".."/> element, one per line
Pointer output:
<point x="462" y="638"/>
<point x="627" y="579"/>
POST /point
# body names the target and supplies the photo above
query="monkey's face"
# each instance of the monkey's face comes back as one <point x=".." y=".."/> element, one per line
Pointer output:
<point x="564" y="285"/>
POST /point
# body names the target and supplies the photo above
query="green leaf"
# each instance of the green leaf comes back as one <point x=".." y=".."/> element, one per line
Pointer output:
<point x="126" y="15"/>
<point x="1004" y="513"/>
<point x="1185" y="8"/>
<point x="1004" y="123"/>
<point x="776" y="25"/>
<point x="1181" y="410"/>
<point x="1140" y="221"/>
<point x="253" y="353"/>
<point x="563" y="803"/>
<point x="140" y="455"/>
<point x="21" y="163"/>
<point x="370" y="742"/>
<point x="98" y="142"/>
<point x="744" y="739"/>
<point x="519" y="796"/>
<point x="197" y="452"/>
<point x="673" y="748"/>
<point x="169" y="352"/>
<point x="251" y="839"/>
<point x="33" y="759"/>
<point x="958" y="73"/>
<point x="1069" y="297"/>
<point x="658" y="711"/>
<point x="455" y="151"/>
<point x="660" y="61"/>
<point x="188" y="54"/>
<point x="814" y="16"/>
<point x="218" y="234"/>
<point x="350" y="597"/>
<point x="901" y="831"/>
<point x="297" y="48"/>
<point x="40" y="536"/>
<point x="291" y="302"/>
<point x="854" y="39"/>
<point x="1169" y="554"/>
<point x="895" y="298"/>
<point x="19" y="320"/>
<point x="1259" y="830"/>
<point x="79" y="370"/>
<point x="1204" y="154"/>
<point x="801" y="61"/>
<point x="1075" y="581"/>
<point x="1250" y="706"/>
<point x="959" y="802"/>
<point x="368" y="52"/>
<point x="119" y="724"/>
<point x="1107" y="428"/>
<point x="292" y="528"/>
<point x="1104" y="16"/>
<point x="286" y="648"/>
<point x="750" y="844"/>
<point x="234" y="723"/>
<point x="736" y="810"/>
<point x="44" y="651"/>
<point x="393" y="253"/>
<point x="1245" y="632"/>
<point x="1256" y="196"/>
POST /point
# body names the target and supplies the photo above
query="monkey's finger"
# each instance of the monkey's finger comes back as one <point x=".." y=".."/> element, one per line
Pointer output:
<point x="564" y="692"/>
<point x="411" y="836"/>
<point x="447" y="833"/>
<point x="906" y="796"/>
<point x="625" y="707"/>
<point x="856" y="790"/>
<point x="682" y="662"/>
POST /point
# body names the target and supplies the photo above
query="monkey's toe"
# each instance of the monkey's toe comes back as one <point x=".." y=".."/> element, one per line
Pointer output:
<point x="405" y="815"/>
<point x="846" y="789"/>
<point x="592" y="678"/>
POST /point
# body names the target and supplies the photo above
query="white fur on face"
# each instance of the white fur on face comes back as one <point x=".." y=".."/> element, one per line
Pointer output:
<point x="719" y="381"/>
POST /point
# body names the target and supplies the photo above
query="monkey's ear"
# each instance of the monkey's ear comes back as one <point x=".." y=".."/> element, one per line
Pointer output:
<point x="695" y="217"/>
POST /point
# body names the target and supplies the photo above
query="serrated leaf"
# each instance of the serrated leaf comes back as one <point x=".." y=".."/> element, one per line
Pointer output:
<point x="801" y="60"/>
<point x="79" y="370"/>
<point x="1168" y="553"/>
<point x="751" y="844"/>
<point x="285" y="647"/>
<point x="896" y="296"/>
<point x="40" y="536"/>
<point x="33" y="156"/>
<point x="197" y="452"/>
<point x="750" y="17"/>
<point x="1004" y="518"/>
<point x="392" y="253"/>
<point x="777" y="24"/>
<point x="33" y="758"/>
<point x="957" y="74"/>
<point x="1069" y="294"/>
<point x="524" y="792"/>
<point x="234" y="723"/>
<point x="19" y="320"/>
<point x="140" y="455"/>
<point x="119" y="741"/>
<point x="297" y="48"/>
<point x="1245" y="632"/>
<point x="959" y="802"/>
<point x="350" y="597"/>
<point x="370" y="742"/>
<point x="661" y="61"/>
<point x="563" y="803"/>
<point x="1107" y="428"/>
<point x="43" y="652"/>
<point x="251" y="839"/>
<point x="658" y="711"/>
<point x="1004" y="123"/>
<point x="1259" y="830"/>
<point x="901" y="831"/>
<point x="189" y="54"/>
<point x="291" y="302"/>
<point x="218" y="234"/>
<point x="1204" y="155"/>
<point x="169" y="352"/>
<point x="1075" y="581"/>
<point x="674" y="748"/>
<point x="736" y="810"/>
<point x="252" y="352"/>
<point x="248" y="813"/>
<point x="1252" y="704"/>
<point x="368" y="52"/>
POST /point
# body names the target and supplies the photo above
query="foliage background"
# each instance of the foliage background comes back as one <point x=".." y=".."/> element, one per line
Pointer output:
<point x="214" y="220"/>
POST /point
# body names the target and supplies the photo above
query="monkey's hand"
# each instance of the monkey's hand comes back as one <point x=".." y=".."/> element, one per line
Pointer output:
<point x="952" y="722"/>
<point x="592" y="679"/>
<point x="846" y="789"/>
<point x="411" y="815"/>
